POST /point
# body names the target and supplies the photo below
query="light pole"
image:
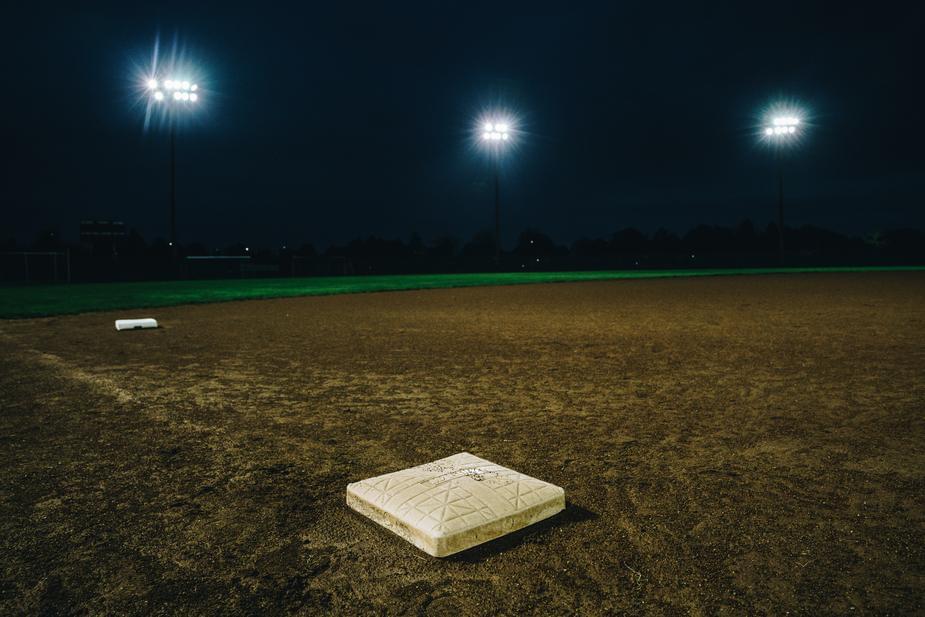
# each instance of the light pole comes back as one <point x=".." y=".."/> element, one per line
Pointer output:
<point x="174" y="95"/>
<point x="495" y="135"/>
<point x="781" y="131"/>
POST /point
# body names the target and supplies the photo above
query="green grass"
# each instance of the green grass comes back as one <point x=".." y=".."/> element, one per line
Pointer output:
<point x="45" y="300"/>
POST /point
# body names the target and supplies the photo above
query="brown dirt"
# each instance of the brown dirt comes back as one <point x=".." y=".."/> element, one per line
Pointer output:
<point x="744" y="445"/>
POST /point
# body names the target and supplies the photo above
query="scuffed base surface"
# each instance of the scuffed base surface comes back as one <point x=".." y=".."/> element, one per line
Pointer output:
<point x="732" y="446"/>
<point x="452" y="504"/>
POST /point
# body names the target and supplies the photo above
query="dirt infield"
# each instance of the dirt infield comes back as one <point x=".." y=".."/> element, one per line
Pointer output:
<point x="747" y="445"/>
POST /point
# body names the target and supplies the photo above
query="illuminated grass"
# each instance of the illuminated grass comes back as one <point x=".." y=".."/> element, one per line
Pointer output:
<point x="46" y="300"/>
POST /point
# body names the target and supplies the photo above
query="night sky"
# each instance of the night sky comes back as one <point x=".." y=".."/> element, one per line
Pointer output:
<point x="322" y="122"/>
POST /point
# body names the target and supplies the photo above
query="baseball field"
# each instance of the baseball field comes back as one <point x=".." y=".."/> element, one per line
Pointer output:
<point x="727" y="445"/>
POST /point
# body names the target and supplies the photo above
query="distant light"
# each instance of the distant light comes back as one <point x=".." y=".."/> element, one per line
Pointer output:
<point x="158" y="96"/>
<point x="194" y="87"/>
<point x="169" y="84"/>
<point x="784" y="125"/>
<point x="497" y="130"/>
<point x="152" y="84"/>
<point x="185" y="85"/>
<point x="785" y="121"/>
<point x="496" y="136"/>
<point x="246" y="249"/>
<point x="194" y="97"/>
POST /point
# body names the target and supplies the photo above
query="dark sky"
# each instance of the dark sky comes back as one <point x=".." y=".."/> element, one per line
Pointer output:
<point x="322" y="122"/>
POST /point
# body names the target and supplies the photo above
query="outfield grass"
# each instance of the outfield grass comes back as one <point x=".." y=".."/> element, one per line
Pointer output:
<point x="46" y="300"/>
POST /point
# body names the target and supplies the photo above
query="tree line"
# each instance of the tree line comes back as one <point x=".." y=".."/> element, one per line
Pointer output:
<point x="743" y="245"/>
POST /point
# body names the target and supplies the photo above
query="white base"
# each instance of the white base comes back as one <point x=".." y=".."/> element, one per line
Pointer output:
<point x="135" y="324"/>
<point x="454" y="503"/>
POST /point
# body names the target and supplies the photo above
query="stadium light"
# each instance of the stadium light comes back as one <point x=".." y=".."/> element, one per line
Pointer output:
<point x="496" y="133"/>
<point x="182" y="90"/>
<point x="172" y="94"/>
<point x="500" y="131"/>
<point x="782" y="129"/>
<point x="782" y="126"/>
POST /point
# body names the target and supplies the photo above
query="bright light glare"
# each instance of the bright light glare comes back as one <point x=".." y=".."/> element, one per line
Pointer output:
<point x="176" y="90"/>
<point x="785" y="121"/>
<point x="784" y="125"/>
<point x="496" y="131"/>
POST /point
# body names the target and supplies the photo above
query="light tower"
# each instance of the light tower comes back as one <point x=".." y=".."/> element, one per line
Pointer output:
<point x="782" y="130"/>
<point x="496" y="135"/>
<point x="176" y="96"/>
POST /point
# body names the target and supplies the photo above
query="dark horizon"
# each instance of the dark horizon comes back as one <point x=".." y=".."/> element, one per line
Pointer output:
<point x="325" y="125"/>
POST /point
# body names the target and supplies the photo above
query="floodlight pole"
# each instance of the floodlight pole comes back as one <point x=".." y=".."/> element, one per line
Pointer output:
<point x="173" y="188"/>
<point x="780" y="209"/>
<point x="497" y="214"/>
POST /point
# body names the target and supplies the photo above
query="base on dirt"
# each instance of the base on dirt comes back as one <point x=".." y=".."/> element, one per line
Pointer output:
<point x="455" y="503"/>
<point x="135" y="324"/>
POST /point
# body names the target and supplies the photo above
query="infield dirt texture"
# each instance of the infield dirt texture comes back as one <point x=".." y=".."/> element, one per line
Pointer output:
<point x="742" y="445"/>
